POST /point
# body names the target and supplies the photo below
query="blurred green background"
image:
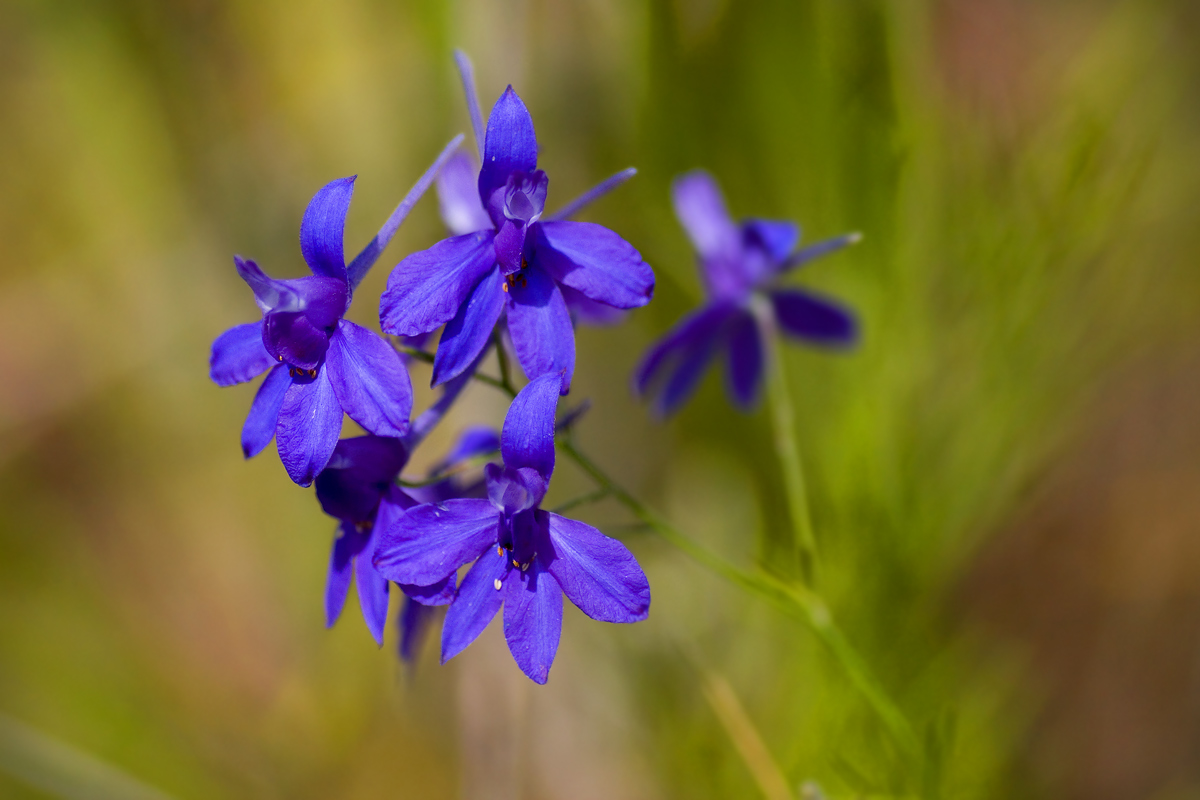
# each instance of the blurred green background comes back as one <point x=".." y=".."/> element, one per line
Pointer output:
<point x="1005" y="474"/>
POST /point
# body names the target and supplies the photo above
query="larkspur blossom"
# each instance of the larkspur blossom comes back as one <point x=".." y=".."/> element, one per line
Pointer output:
<point x="509" y="260"/>
<point x="740" y="265"/>
<point x="319" y="365"/>
<point x="462" y="213"/>
<point x="525" y="558"/>
<point x="358" y="488"/>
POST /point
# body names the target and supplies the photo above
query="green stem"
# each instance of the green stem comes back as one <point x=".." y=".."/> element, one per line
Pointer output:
<point x="590" y="497"/>
<point x="800" y="602"/>
<point x="421" y="355"/>
<point x="505" y="373"/>
<point x="438" y="477"/>
<point x="413" y="352"/>
<point x="780" y="401"/>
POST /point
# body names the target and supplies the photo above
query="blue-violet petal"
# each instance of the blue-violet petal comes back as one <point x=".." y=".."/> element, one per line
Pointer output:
<point x="238" y="355"/>
<point x="370" y="380"/>
<point x="593" y="260"/>
<point x="426" y="289"/>
<point x="323" y="226"/>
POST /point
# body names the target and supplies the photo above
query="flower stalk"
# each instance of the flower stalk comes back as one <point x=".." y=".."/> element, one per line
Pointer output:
<point x="779" y="399"/>
<point x="798" y="601"/>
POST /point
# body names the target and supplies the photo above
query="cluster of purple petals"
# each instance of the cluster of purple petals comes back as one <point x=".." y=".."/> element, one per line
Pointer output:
<point x="507" y="260"/>
<point x="525" y="558"/>
<point x="358" y="488"/>
<point x="741" y="265"/>
<point x="319" y="365"/>
<point x="507" y="268"/>
<point x="508" y="265"/>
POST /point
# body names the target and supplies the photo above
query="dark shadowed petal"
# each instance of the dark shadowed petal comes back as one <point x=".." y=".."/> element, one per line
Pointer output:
<point x="289" y="336"/>
<point x="426" y="288"/>
<point x="238" y="355"/>
<point x="264" y="411"/>
<point x="372" y="594"/>
<point x="596" y="573"/>
<point x="701" y="210"/>
<point x="439" y="594"/>
<point x="594" y="261"/>
<point x="586" y="310"/>
<point x="745" y="359"/>
<point x="376" y="459"/>
<point x="527" y="439"/>
<point x="359" y="473"/>
<point x="309" y="423"/>
<point x="300" y="335"/>
<point x="510" y="144"/>
<point x="458" y="196"/>
<point x="322" y="227"/>
<point x="428" y="542"/>
<point x="540" y="327"/>
<point x="478" y="600"/>
<point x="775" y="238"/>
<point x="467" y="334"/>
<point x="532" y="620"/>
<point x="813" y="318"/>
<point x="414" y="621"/>
<point x="341" y="566"/>
<point x="697" y="327"/>
<point x="370" y="380"/>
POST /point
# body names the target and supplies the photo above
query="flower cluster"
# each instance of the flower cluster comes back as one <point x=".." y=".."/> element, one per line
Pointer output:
<point x="511" y="277"/>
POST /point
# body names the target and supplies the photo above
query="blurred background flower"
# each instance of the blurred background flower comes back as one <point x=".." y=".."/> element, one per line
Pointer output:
<point x="1005" y="472"/>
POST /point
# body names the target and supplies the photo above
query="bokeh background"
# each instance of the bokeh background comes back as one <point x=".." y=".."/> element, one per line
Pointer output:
<point x="1005" y="473"/>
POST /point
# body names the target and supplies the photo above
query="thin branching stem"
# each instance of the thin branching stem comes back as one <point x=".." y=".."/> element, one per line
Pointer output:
<point x="788" y="451"/>
<point x="422" y="355"/>
<point x="590" y="497"/>
<point x="437" y="477"/>
<point x="797" y="601"/>
<point x="505" y="369"/>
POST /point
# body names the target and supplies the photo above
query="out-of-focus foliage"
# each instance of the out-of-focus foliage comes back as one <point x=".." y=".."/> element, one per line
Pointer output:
<point x="1026" y="178"/>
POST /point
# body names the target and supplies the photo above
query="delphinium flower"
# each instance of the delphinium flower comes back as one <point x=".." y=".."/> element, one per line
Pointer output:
<point x="318" y="364"/>
<point x="463" y="213"/>
<point x="358" y="488"/>
<point x="741" y="266"/>
<point x="525" y="558"/>
<point x="511" y="261"/>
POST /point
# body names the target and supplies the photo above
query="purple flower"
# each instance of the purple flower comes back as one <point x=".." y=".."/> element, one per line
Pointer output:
<point x="507" y="259"/>
<point x="320" y="365"/>
<point x="526" y="558"/>
<point x="358" y="488"/>
<point x="740" y="265"/>
<point x="462" y="213"/>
